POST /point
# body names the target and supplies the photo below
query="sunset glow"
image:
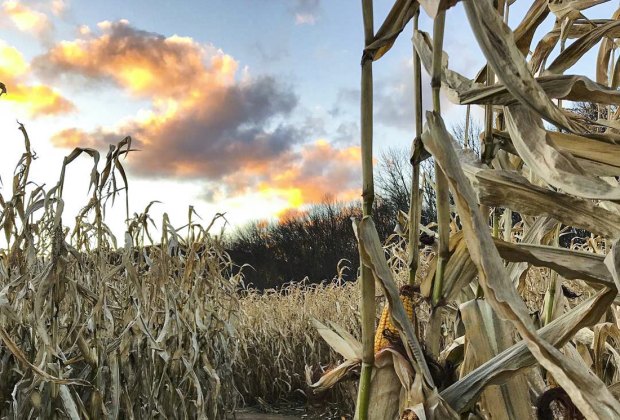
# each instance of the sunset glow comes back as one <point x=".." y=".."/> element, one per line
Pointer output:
<point x="232" y="121"/>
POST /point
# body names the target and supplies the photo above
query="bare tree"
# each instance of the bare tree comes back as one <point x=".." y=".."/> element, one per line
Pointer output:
<point x="394" y="172"/>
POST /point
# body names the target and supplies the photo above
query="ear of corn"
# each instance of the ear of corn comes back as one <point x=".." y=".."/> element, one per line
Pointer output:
<point x="386" y="327"/>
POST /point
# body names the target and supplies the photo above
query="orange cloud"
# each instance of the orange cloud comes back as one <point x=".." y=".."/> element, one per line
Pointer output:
<point x="26" y="19"/>
<point x="317" y="171"/>
<point x="37" y="99"/>
<point x="70" y="138"/>
<point x="205" y="122"/>
<point x="12" y="63"/>
<point x="143" y="63"/>
<point x="291" y="214"/>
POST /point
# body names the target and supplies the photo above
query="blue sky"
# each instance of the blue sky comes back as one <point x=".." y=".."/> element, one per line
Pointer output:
<point x="248" y="107"/>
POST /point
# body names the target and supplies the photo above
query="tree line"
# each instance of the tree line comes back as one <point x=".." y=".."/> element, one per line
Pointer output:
<point x="318" y="243"/>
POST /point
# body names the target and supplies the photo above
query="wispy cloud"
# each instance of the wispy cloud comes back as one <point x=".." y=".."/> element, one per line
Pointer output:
<point x="306" y="12"/>
<point x="59" y="7"/>
<point x="393" y="97"/>
<point x="305" y="19"/>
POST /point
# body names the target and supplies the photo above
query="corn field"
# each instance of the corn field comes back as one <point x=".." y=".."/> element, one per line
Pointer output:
<point x="92" y="330"/>
<point x="509" y="356"/>
<point x="494" y="320"/>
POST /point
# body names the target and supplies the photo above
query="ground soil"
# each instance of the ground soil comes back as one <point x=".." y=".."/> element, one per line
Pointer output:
<point x="291" y="414"/>
<point x="262" y="416"/>
<point x="251" y="414"/>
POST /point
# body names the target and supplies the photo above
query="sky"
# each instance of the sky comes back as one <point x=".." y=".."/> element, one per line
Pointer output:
<point x="243" y="107"/>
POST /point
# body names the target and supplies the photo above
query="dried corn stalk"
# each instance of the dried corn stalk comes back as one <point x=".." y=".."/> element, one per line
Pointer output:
<point x="541" y="173"/>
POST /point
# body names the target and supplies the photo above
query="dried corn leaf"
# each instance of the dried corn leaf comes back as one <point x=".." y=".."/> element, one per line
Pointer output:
<point x="351" y="341"/>
<point x="548" y="42"/>
<point x="571" y="8"/>
<point x="435" y="407"/>
<point x="401" y="13"/>
<point x="577" y="49"/>
<point x="602" y="332"/>
<point x="454" y="353"/>
<point x="509" y="189"/>
<point x="465" y="392"/>
<point x="589" y="152"/>
<point x="458" y="272"/>
<point x="572" y="88"/>
<point x="524" y="32"/>
<point x="67" y="401"/>
<point x="488" y="336"/>
<point x="332" y="377"/>
<point x="570" y="264"/>
<point x="386" y="389"/>
<point x="453" y="83"/>
<point x="433" y="7"/>
<point x="604" y="55"/>
<point x="19" y="355"/>
<point x="350" y="350"/>
<point x="498" y="45"/>
<point x="612" y="261"/>
<point x="587" y="392"/>
<point x="556" y="167"/>
<point x="463" y="91"/>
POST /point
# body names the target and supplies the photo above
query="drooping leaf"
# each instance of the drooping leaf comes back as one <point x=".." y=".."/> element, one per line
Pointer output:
<point x="498" y="45"/>
<point x="587" y="392"/>
<point x="558" y="168"/>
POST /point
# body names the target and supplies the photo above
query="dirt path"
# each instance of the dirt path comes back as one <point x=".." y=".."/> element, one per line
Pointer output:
<point x="261" y="416"/>
<point x="249" y="414"/>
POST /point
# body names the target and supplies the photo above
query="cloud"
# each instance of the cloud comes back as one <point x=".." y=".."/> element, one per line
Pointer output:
<point x="36" y="99"/>
<point x="209" y="138"/>
<point x="27" y="19"/>
<point x="270" y="53"/>
<point x="348" y="132"/>
<point x="306" y="12"/>
<point x="59" y="7"/>
<point x="305" y="19"/>
<point x="393" y="98"/>
<point x="308" y="175"/>
<point x="145" y="64"/>
<point x="208" y="120"/>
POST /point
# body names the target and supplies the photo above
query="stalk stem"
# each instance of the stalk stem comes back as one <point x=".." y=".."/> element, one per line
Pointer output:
<point x="549" y="307"/>
<point x="441" y="183"/>
<point x="467" y="119"/>
<point x="367" y="282"/>
<point x="415" y="205"/>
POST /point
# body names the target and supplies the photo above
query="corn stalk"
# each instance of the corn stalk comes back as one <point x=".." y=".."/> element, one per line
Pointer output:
<point x="367" y="282"/>
<point x="442" y="189"/>
<point x="415" y="204"/>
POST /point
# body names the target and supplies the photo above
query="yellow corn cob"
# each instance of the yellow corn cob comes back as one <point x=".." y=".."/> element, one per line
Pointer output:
<point x="385" y="322"/>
